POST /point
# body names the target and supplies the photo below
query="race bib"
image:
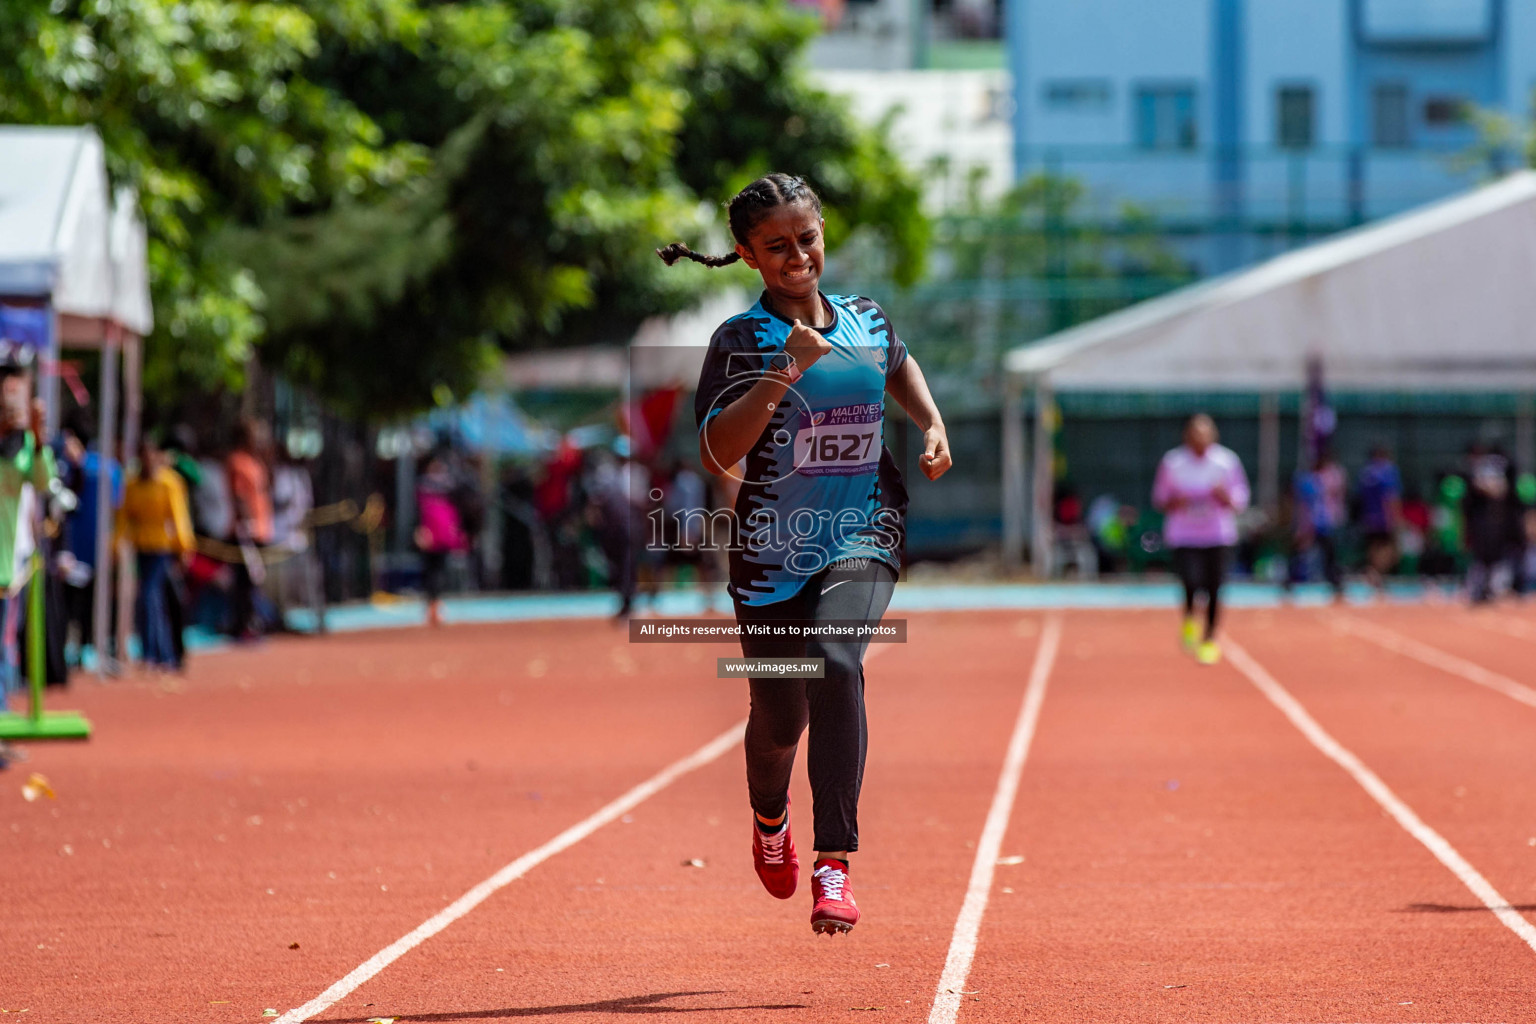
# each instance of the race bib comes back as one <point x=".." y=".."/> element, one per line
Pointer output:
<point x="844" y="441"/>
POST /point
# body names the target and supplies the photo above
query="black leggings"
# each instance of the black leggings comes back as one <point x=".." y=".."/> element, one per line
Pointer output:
<point x="1202" y="569"/>
<point x="434" y="568"/>
<point x="833" y="706"/>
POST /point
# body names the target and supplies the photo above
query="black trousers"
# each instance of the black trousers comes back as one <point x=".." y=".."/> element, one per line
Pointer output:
<point x="833" y="706"/>
<point x="1201" y="570"/>
<point x="434" y="569"/>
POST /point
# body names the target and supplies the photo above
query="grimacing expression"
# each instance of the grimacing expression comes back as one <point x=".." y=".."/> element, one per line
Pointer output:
<point x="788" y="247"/>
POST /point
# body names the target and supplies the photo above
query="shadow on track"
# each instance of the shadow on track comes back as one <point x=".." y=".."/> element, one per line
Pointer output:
<point x="630" y="1004"/>
<point x="1447" y="908"/>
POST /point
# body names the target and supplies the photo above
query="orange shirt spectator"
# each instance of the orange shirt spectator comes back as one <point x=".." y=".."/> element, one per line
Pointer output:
<point x="252" y="491"/>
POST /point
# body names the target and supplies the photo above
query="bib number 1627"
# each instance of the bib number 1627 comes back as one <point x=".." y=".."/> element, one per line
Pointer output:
<point x="847" y="449"/>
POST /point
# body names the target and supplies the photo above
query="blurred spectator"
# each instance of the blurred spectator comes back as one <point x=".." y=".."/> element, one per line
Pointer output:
<point x="686" y="524"/>
<point x="621" y="493"/>
<point x="178" y="605"/>
<point x="439" y="531"/>
<point x="524" y="546"/>
<point x="555" y="499"/>
<point x="213" y="506"/>
<point x="251" y="492"/>
<point x="82" y="471"/>
<point x="1320" y="517"/>
<point x="1445" y="549"/>
<point x="1110" y="525"/>
<point x="294" y="579"/>
<point x="1381" y="514"/>
<point x="155" y="519"/>
<point x="26" y="467"/>
<point x="1490" y="518"/>
<point x="1413" y="531"/>
<point x="1524" y="532"/>
<point x="1073" y="542"/>
<point x="469" y="498"/>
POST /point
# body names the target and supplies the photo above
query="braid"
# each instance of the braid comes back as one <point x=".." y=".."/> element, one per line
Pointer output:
<point x="678" y="251"/>
<point x="745" y="211"/>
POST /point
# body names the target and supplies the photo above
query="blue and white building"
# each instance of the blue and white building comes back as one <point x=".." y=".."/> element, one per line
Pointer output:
<point x="1249" y="126"/>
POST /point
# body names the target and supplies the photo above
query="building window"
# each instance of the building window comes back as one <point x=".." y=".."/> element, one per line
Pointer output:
<point x="1426" y="22"/>
<point x="1294" y="109"/>
<point x="1389" y="116"/>
<point x="1444" y="111"/>
<point x="1083" y="95"/>
<point x="1165" y="118"/>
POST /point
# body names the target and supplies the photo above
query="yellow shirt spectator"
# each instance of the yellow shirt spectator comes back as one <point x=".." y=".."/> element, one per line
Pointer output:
<point x="154" y="517"/>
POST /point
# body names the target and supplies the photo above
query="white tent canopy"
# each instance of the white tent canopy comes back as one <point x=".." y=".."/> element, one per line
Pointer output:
<point x="63" y="237"/>
<point x="1439" y="299"/>
<point x="68" y="244"/>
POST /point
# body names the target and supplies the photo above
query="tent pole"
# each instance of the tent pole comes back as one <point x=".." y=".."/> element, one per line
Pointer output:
<point x="1044" y="480"/>
<point x="48" y="383"/>
<point x="132" y="406"/>
<point x="106" y="445"/>
<point x="1014" y="468"/>
<point x="1269" y="453"/>
<point x="1525" y="433"/>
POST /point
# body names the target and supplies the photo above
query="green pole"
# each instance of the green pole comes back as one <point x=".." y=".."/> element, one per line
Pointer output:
<point x="36" y="636"/>
<point x="38" y="724"/>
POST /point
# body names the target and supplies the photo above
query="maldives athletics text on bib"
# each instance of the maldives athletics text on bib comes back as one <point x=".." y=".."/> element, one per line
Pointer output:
<point x="844" y="440"/>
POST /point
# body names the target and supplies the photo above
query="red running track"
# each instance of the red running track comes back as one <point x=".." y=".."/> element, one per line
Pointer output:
<point x="1187" y="853"/>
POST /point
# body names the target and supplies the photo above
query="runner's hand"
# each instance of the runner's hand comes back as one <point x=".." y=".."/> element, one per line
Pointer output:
<point x="935" y="460"/>
<point x="806" y="345"/>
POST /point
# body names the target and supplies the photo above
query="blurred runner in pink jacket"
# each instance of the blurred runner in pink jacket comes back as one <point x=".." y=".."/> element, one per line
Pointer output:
<point x="1200" y="489"/>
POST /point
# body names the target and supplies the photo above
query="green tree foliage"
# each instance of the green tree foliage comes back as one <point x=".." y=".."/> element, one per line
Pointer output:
<point x="205" y="109"/>
<point x="573" y="137"/>
<point x="378" y="195"/>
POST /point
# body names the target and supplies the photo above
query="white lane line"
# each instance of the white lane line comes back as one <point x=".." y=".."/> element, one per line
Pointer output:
<point x="1404" y="815"/>
<point x="962" y="946"/>
<point x="1505" y="625"/>
<point x="1435" y="658"/>
<point x="513" y="871"/>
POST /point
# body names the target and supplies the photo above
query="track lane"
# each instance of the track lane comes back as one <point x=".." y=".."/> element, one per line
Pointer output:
<point x="620" y="924"/>
<point x="329" y="793"/>
<point x="1462" y="755"/>
<point x="1190" y="857"/>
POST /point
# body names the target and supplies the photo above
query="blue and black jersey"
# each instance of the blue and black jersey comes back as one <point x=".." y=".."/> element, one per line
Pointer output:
<point x="819" y="485"/>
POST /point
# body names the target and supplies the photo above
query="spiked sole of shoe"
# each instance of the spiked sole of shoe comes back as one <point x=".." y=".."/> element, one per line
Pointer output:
<point x="830" y="927"/>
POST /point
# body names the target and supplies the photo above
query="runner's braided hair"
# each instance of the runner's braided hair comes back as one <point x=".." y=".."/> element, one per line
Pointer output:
<point x="746" y="211"/>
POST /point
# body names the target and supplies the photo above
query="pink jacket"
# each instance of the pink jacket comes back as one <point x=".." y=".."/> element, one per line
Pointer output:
<point x="1200" y="521"/>
<point x="440" y="520"/>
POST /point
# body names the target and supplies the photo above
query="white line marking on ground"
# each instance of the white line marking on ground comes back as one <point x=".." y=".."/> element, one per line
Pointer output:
<point x="1436" y="658"/>
<point x="1503" y="624"/>
<point x="1444" y="852"/>
<point x="513" y="871"/>
<point x="962" y="946"/>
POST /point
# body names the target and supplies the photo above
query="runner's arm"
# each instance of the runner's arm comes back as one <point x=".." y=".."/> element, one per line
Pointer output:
<point x="910" y="389"/>
<point x="728" y="437"/>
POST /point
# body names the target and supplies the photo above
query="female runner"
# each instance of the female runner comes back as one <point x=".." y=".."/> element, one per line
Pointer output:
<point x="795" y="386"/>
<point x="1200" y="488"/>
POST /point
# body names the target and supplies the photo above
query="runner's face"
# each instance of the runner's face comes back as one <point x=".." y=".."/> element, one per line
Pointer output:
<point x="1200" y="436"/>
<point x="788" y="248"/>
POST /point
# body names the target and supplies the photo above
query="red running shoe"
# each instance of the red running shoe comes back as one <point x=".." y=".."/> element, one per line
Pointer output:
<point x="773" y="855"/>
<point x="834" y="910"/>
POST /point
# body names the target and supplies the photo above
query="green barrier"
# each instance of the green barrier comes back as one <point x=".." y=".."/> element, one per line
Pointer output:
<point x="38" y="724"/>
